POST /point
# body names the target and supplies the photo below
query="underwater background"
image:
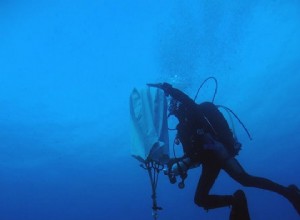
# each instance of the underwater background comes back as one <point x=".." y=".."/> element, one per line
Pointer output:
<point x="67" y="69"/>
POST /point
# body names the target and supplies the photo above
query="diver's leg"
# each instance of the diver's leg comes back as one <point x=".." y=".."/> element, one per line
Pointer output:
<point x="235" y="170"/>
<point x="209" y="174"/>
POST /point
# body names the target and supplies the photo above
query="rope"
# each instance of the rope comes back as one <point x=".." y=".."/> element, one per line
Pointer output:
<point x="153" y="169"/>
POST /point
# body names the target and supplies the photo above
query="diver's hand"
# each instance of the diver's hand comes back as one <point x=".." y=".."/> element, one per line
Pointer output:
<point x="166" y="87"/>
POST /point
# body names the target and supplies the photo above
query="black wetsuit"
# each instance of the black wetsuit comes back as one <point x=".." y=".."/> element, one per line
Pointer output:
<point x="207" y="139"/>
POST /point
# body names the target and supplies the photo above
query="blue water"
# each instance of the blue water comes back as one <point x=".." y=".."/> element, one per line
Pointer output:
<point x="66" y="72"/>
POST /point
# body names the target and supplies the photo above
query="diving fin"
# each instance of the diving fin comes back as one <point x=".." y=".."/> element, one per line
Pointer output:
<point x="239" y="210"/>
<point x="293" y="196"/>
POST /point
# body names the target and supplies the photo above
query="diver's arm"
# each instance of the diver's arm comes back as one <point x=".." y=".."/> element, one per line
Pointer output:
<point x="175" y="93"/>
<point x="182" y="164"/>
<point x="180" y="96"/>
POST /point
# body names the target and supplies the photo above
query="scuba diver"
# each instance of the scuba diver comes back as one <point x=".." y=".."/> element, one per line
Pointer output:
<point x="207" y="140"/>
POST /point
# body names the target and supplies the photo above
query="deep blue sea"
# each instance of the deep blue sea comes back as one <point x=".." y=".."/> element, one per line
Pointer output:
<point x="67" y="69"/>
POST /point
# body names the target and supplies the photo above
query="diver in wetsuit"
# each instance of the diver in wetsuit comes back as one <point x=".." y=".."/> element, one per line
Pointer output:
<point x="207" y="139"/>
